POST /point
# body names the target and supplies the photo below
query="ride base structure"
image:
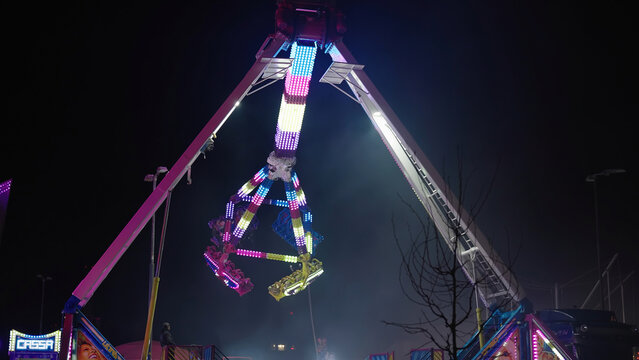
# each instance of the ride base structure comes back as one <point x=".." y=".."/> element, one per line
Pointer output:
<point x="304" y="29"/>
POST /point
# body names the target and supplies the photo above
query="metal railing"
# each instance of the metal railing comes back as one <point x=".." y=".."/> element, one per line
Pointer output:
<point x="192" y="352"/>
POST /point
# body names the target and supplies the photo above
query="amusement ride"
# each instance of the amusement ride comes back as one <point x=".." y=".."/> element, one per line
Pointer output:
<point x="305" y="29"/>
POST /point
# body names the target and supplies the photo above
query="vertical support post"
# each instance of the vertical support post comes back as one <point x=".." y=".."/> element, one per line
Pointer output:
<point x="67" y="333"/>
<point x="556" y="296"/>
<point x="601" y="290"/>
<point x="149" y="318"/>
<point x="477" y="308"/>
<point x="42" y="305"/>
<point x="608" y="285"/>
<point x="623" y="305"/>
<point x="44" y="279"/>
<point x="152" y="262"/>
<point x="481" y="334"/>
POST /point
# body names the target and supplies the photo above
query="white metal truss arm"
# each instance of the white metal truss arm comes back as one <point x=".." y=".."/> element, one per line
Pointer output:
<point x="101" y="269"/>
<point x="477" y="257"/>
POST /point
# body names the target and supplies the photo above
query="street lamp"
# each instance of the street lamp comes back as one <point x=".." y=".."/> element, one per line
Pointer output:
<point x="44" y="278"/>
<point x="153" y="178"/>
<point x="592" y="178"/>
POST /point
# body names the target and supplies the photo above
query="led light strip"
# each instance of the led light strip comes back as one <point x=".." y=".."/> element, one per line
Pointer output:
<point x="230" y="208"/>
<point x="280" y="203"/>
<point x="308" y="237"/>
<point x="301" y="198"/>
<point x="228" y="217"/>
<point x="226" y="278"/>
<point x="253" y="183"/>
<point x="244" y="191"/>
<point x="246" y="219"/>
<point x="296" y="287"/>
<point x="296" y="220"/>
<point x="5" y="187"/>
<point x="296" y="86"/>
<point x="510" y="337"/>
<point x="298" y="189"/>
<point x="554" y="350"/>
<point x="265" y="255"/>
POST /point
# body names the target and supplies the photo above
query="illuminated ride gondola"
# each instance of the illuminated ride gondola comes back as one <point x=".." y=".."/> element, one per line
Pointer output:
<point x="294" y="221"/>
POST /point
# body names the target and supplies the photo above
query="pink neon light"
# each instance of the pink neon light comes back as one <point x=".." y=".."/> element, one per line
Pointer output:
<point x="251" y="253"/>
<point x="233" y="278"/>
<point x="257" y="179"/>
<point x="301" y="198"/>
<point x="297" y="85"/>
<point x="5" y="186"/>
<point x="294" y="99"/>
<point x="535" y="348"/>
<point x="260" y="175"/>
<point x="227" y="231"/>
<point x="257" y="199"/>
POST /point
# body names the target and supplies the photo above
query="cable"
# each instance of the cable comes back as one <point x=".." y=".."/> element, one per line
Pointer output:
<point x="310" y="308"/>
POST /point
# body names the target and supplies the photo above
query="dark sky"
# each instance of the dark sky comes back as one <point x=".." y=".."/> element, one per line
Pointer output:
<point x="101" y="93"/>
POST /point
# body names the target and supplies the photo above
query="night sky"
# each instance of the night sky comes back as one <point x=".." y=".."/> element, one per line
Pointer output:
<point x="98" y="94"/>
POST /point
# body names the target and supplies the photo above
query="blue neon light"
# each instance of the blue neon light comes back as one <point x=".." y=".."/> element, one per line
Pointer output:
<point x="304" y="58"/>
<point x="264" y="188"/>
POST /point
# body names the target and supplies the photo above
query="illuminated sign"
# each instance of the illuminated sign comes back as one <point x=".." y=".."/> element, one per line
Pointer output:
<point x="34" y="343"/>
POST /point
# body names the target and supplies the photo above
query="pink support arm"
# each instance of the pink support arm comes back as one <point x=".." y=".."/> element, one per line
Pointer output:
<point x="101" y="269"/>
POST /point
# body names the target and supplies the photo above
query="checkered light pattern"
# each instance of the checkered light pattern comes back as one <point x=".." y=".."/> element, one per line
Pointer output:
<point x="289" y="122"/>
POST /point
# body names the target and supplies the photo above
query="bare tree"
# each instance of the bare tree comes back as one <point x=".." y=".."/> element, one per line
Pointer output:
<point x="432" y="276"/>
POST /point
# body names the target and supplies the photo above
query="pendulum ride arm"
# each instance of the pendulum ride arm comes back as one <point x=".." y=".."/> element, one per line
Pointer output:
<point x="265" y="68"/>
<point x="478" y="259"/>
